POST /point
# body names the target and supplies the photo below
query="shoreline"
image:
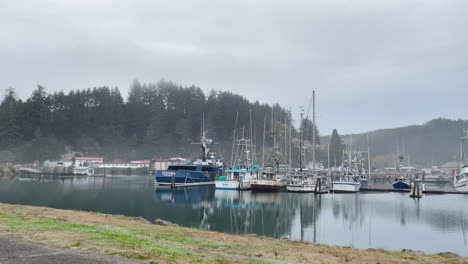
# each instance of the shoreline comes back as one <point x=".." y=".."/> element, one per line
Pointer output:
<point x="138" y="239"/>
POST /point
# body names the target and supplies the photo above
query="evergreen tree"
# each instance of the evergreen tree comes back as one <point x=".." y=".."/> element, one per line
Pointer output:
<point x="10" y="133"/>
<point x="336" y="149"/>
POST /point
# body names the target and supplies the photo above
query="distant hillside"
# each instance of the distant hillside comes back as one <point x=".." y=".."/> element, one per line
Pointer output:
<point x="433" y="143"/>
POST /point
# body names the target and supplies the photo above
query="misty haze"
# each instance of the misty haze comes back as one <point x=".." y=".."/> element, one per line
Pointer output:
<point x="333" y="123"/>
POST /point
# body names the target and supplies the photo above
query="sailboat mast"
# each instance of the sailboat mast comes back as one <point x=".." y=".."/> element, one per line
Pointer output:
<point x="234" y="141"/>
<point x="263" y="147"/>
<point x="290" y="138"/>
<point x="251" y="137"/>
<point x="273" y="127"/>
<point x="285" y="139"/>
<point x="368" y="160"/>
<point x="313" y="131"/>
<point x="300" y="142"/>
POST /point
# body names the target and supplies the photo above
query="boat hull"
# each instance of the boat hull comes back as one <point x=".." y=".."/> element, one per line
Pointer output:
<point x="266" y="185"/>
<point x="301" y="188"/>
<point x="461" y="185"/>
<point x="232" y="185"/>
<point x="364" y="183"/>
<point x="346" y="187"/>
<point x="181" y="178"/>
<point x="400" y="185"/>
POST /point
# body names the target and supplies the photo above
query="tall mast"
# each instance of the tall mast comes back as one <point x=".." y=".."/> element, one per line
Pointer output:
<point x="285" y="139"/>
<point x="263" y="147"/>
<point x="398" y="154"/>
<point x="465" y="136"/>
<point x="300" y="140"/>
<point x="233" y="141"/>
<point x="290" y="139"/>
<point x="313" y="130"/>
<point x="368" y="160"/>
<point x="273" y="127"/>
<point x="251" y="136"/>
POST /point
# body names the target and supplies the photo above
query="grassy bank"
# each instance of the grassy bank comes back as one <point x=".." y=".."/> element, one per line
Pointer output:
<point x="150" y="243"/>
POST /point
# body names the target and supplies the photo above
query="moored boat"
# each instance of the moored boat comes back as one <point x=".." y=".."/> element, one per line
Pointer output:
<point x="272" y="179"/>
<point x="301" y="188"/>
<point x="460" y="181"/>
<point x="240" y="177"/>
<point x="349" y="180"/>
<point x="363" y="179"/>
<point x="237" y="179"/>
<point x="347" y="184"/>
<point x="400" y="183"/>
<point x="204" y="171"/>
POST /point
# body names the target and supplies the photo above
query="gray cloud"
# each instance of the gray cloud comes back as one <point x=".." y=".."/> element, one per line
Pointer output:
<point x="373" y="64"/>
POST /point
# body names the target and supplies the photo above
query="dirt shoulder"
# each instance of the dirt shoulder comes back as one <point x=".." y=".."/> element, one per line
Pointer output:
<point x="149" y="243"/>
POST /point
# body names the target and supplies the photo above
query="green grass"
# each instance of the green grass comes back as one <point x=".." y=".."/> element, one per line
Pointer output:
<point x="114" y="236"/>
<point x="193" y="241"/>
<point x="155" y="244"/>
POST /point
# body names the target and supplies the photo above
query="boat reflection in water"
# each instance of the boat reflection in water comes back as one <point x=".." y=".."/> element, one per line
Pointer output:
<point x="361" y="220"/>
<point x="270" y="214"/>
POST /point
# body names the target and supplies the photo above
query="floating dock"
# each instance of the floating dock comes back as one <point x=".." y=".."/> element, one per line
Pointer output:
<point x="408" y="190"/>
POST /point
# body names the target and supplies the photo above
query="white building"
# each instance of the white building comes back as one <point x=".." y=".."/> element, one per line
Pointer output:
<point x="87" y="161"/>
<point x="57" y="163"/>
<point x="123" y="165"/>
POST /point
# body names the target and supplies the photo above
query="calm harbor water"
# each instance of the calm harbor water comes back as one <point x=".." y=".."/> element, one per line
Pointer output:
<point x="393" y="221"/>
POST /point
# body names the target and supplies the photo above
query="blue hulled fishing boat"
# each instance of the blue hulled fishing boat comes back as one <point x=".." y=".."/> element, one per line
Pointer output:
<point x="400" y="183"/>
<point x="204" y="171"/>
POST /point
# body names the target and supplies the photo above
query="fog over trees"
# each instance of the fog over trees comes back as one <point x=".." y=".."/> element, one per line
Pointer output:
<point x="163" y="119"/>
<point x="156" y="120"/>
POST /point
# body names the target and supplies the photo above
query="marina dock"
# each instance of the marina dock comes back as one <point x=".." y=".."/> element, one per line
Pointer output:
<point x="408" y="190"/>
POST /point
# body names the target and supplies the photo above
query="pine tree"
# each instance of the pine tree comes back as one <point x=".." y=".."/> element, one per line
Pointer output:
<point x="336" y="148"/>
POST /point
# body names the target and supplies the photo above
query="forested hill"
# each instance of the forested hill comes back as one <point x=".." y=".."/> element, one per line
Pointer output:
<point x="433" y="143"/>
<point x="155" y="120"/>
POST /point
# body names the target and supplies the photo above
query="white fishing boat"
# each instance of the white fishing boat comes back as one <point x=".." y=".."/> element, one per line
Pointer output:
<point x="271" y="179"/>
<point x="303" y="181"/>
<point x="349" y="181"/>
<point x="238" y="179"/>
<point x="347" y="184"/>
<point x="460" y="181"/>
<point x="301" y="187"/>
<point x="364" y="180"/>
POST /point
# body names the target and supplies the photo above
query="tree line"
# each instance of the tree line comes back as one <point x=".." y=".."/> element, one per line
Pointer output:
<point x="155" y="120"/>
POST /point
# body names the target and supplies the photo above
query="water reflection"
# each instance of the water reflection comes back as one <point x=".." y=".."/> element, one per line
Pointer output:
<point x="384" y="220"/>
<point x="363" y="220"/>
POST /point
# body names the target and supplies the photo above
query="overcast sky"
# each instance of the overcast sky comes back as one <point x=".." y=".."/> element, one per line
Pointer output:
<point x="373" y="64"/>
